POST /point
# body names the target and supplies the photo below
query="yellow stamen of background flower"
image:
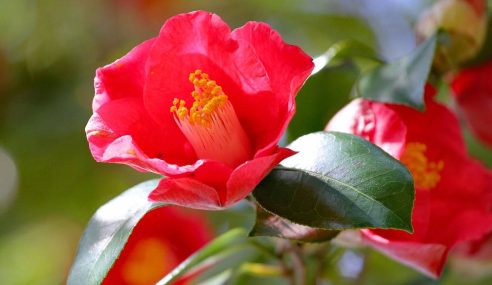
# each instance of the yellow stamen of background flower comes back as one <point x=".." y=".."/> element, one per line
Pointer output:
<point x="426" y="174"/>
<point x="148" y="262"/>
<point x="211" y="124"/>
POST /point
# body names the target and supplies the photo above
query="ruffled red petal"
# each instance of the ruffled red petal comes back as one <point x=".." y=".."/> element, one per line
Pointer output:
<point x="121" y="121"/>
<point x="438" y="127"/>
<point x="374" y="122"/>
<point x="186" y="192"/>
<point x="472" y="89"/>
<point x="428" y="258"/>
<point x="247" y="176"/>
<point x="121" y="131"/>
<point x="200" y="40"/>
<point x="259" y="72"/>
<point x="287" y="66"/>
<point x="228" y="187"/>
<point x="123" y="78"/>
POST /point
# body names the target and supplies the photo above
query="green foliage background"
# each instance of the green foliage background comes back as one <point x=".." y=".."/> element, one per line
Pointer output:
<point x="49" y="50"/>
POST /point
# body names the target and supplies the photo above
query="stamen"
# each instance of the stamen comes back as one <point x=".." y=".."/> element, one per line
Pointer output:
<point x="211" y="124"/>
<point x="426" y="174"/>
<point x="140" y="266"/>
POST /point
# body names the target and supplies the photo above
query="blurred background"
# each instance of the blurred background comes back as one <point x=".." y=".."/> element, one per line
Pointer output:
<point x="49" y="51"/>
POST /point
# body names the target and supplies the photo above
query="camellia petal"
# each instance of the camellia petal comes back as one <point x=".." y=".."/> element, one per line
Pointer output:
<point x="201" y="196"/>
<point x="123" y="78"/>
<point x="375" y="123"/>
<point x="271" y="49"/>
<point x="187" y="191"/>
<point x="201" y="104"/>
<point x="161" y="241"/>
<point x="121" y="131"/>
<point x="472" y="89"/>
<point x="249" y="174"/>
<point x="421" y="256"/>
<point x="453" y="191"/>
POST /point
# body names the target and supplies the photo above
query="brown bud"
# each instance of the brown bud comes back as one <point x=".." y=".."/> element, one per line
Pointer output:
<point x="464" y="21"/>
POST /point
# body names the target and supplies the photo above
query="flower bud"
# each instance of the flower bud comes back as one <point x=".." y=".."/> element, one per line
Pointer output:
<point x="464" y="21"/>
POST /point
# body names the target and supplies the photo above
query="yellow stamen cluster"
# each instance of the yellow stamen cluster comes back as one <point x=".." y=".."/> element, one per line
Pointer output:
<point x="211" y="125"/>
<point x="139" y="268"/>
<point x="426" y="174"/>
<point x="208" y="98"/>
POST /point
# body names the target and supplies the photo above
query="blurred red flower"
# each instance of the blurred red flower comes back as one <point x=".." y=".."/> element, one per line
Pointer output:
<point x="231" y="96"/>
<point x="453" y="191"/>
<point x="472" y="89"/>
<point x="480" y="6"/>
<point x="161" y="241"/>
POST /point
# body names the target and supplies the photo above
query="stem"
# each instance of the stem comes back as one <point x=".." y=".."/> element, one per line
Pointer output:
<point x="295" y="269"/>
<point x="299" y="276"/>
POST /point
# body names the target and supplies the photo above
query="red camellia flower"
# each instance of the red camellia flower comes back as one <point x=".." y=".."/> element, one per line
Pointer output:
<point x="201" y="105"/>
<point x="161" y="241"/>
<point x="453" y="191"/>
<point x="472" y="89"/>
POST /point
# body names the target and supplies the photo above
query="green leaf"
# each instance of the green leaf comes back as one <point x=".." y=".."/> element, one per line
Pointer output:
<point x="218" y="249"/>
<point x="323" y="94"/>
<point x="268" y="224"/>
<point x="228" y="260"/>
<point x="241" y="215"/>
<point x="347" y="49"/>
<point x="401" y="81"/>
<point x="108" y="232"/>
<point x="339" y="181"/>
<point x="329" y="87"/>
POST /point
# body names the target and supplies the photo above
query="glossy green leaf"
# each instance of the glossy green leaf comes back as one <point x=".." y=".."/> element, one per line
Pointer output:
<point x="108" y="232"/>
<point x="323" y="94"/>
<point x="401" y="81"/>
<point x="339" y="181"/>
<point x="216" y="250"/>
<point x="268" y="224"/>
<point x="240" y="215"/>
<point x="226" y="261"/>
<point x="347" y="49"/>
<point x="330" y="85"/>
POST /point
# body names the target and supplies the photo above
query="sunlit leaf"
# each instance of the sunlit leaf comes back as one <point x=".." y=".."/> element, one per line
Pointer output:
<point x="401" y="81"/>
<point x="107" y="233"/>
<point x="339" y="181"/>
<point x="217" y="250"/>
<point x="323" y="94"/>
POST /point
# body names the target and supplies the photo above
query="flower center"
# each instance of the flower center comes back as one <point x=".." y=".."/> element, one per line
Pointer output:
<point x="426" y="174"/>
<point x="211" y="124"/>
<point x="149" y="260"/>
